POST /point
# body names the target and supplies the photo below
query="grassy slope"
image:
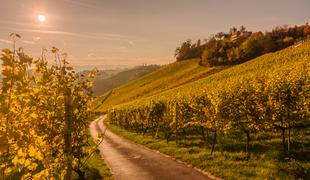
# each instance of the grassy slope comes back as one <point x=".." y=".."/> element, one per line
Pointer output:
<point x="167" y="77"/>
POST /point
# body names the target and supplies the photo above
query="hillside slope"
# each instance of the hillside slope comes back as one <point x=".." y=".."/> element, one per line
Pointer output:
<point x="165" y="78"/>
<point x="102" y="85"/>
<point x="183" y="77"/>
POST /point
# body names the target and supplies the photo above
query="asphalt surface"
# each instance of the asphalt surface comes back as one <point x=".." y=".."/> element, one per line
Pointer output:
<point x="129" y="161"/>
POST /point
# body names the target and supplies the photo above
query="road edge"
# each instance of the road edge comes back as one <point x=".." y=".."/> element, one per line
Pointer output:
<point x="94" y="140"/>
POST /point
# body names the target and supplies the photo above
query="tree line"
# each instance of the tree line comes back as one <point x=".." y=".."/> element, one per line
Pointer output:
<point x="240" y="45"/>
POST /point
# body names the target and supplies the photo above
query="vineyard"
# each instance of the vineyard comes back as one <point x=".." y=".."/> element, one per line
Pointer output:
<point x="44" y="117"/>
<point x="267" y="95"/>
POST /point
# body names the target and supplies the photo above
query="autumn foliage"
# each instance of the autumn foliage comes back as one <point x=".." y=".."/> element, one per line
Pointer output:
<point x="239" y="45"/>
<point x="43" y="117"/>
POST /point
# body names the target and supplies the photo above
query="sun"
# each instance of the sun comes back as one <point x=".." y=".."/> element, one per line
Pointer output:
<point x="41" y="18"/>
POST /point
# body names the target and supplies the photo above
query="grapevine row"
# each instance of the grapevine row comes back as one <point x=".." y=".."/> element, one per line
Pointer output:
<point x="44" y="117"/>
<point x="272" y="96"/>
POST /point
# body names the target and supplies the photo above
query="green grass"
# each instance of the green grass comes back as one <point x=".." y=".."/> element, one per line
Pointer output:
<point x="96" y="162"/>
<point x="95" y="167"/>
<point x="266" y="160"/>
<point x="161" y="80"/>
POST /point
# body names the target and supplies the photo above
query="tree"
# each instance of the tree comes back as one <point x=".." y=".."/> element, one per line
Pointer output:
<point x="306" y="30"/>
<point x="198" y="44"/>
<point x="183" y="52"/>
<point x="220" y="35"/>
<point x="242" y="29"/>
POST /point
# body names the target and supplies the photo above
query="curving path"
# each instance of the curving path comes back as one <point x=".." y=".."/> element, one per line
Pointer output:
<point x="130" y="161"/>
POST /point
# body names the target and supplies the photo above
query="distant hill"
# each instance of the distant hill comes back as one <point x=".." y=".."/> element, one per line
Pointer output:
<point x="102" y="84"/>
<point x="101" y="74"/>
<point x="112" y="72"/>
<point x="80" y="68"/>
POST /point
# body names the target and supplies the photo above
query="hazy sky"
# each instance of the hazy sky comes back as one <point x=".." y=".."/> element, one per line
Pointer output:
<point x="134" y="32"/>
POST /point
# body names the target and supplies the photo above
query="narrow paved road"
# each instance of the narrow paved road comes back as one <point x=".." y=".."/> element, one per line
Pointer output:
<point x="129" y="161"/>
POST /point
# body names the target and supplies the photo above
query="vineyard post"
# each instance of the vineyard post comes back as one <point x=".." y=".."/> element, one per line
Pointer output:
<point x="157" y="129"/>
<point x="288" y="121"/>
<point x="283" y="135"/>
<point x="289" y="139"/>
<point x="68" y="120"/>
<point x="147" y="122"/>
<point x="247" y="148"/>
<point x="176" y="123"/>
<point x="68" y="132"/>
<point x="214" y="141"/>
<point x="203" y="134"/>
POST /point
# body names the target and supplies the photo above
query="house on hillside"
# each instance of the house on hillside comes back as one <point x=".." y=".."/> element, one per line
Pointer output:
<point x="234" y="36"/>
<point x="237" y="34"/>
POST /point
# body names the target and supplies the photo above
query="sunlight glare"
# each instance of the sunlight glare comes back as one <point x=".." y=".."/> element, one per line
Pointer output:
<point x="41" y="18"/>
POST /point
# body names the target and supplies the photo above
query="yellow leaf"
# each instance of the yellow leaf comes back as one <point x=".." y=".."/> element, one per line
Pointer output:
<point x="32" y="151"/>
<point x="15" y="160"/>
<point x="32" y="166"/>
<point x="20" y="153"/>
<point x="8" y="170"/>
<point x="34" y="116"/>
